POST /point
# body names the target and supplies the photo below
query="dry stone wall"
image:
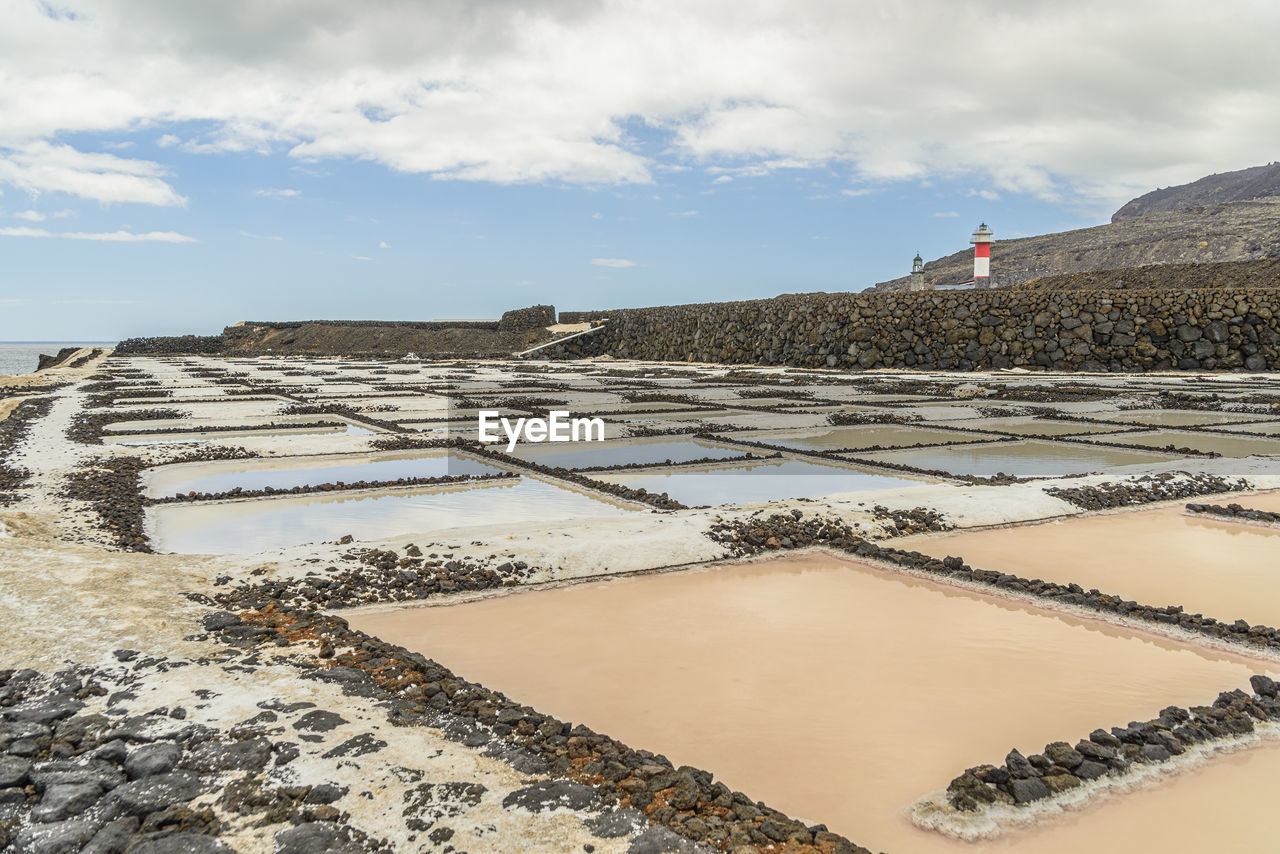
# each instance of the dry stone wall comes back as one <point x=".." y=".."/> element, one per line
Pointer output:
<point x="1097" y="330"/>
<point x="533" y="317"/>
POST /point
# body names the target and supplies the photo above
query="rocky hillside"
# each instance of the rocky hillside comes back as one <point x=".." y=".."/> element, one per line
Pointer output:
<point x="1231" y="231"/>
<point x="1256" y="182"/>
<point x="1228" y="274"/>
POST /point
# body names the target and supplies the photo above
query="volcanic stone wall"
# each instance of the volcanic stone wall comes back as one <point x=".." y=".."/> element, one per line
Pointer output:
<point x="1096" y="330"/>
<point x="170" y="345"/>
<point x="533" y="317"/>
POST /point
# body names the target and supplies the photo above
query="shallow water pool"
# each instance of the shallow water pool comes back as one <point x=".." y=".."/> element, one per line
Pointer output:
<point x="1219" y="568"/>
<point x="286" y="473"/>
<point x="1031" y="458"/>
<point x="772" y="480"/>
<point x="834" y="691"/>
<point x="261" y="524"/>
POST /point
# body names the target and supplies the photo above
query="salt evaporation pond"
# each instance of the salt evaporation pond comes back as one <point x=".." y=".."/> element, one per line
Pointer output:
<point x="1269" y="501"/>
<point x="1029" y="425"/>
<point x="1270" y="428"/>
<point x="261" y="524"/>
<point x="770" y="480"/>
<point x="286" y="473"/>
<point x="1218" y="568"/>
<point x="1227" y="446"/>
<point x="1031" y="458"/>
<point x="154" y="438"/>
<point x="641" y="451"/>
<point x="1176" y="417"/>
<point x="865" y="436"/>
<point x="850" y="691"/>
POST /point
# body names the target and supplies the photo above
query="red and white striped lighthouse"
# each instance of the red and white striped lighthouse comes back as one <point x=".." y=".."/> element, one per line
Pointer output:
<point x="981" y="241"/>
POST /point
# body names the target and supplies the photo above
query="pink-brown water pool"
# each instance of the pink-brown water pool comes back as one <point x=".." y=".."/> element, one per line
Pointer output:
<point x="833" y="690"/>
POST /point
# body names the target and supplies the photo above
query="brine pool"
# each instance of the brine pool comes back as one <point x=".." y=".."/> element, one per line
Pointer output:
<point x="1216" y="567"/>
<point x="1031" y="458"/>
<point x="261" y="524"/>
<point x="743" y="483"/>
<point x="289" y="472"/>
<point x="840" y="693"/>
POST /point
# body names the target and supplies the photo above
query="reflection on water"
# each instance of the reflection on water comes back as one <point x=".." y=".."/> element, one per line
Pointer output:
<point x="242" y="527"/>
<point x="1222" y="569"/>
<point x="831" y="690"/>
<point x="307" y="471"/>
<point x="765" y="481"/>
<point x="1021" y="459"/>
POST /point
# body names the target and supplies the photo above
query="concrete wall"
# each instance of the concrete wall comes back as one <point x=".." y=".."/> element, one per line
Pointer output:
<point x="1098" y="330"/>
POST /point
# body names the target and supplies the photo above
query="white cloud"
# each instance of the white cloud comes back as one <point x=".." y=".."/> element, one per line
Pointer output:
<point x="104" y="236"/>
<point x="168" y="140"/>
<point x="276" y="193"/>
<point x="39" y="216"/>
<point x="361" y="258"/>
<point x="614" y="262"/>
<point x="41" y="167"/>
<point x="861" y="191"/>
<point x="382" y="244"/>
<point x="685" y="213"/>
<point x="250" y="234"/>
<point x="946" y="214"/>
<point x="597" y="215"/>
<point x="1061" y="107"/>
<point x="723" y="179"/>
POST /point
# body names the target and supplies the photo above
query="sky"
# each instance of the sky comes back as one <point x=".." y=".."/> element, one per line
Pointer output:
<point x="174" y="166"/>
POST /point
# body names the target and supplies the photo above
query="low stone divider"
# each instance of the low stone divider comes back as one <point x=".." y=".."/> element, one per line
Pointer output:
<point x="1147" y="489"/>
<point x="111" y="486"/>
<point x="337" y="486"/>
<point x="13" y="430"/>
<point x="1022" y="780"/>
<point x="1235" y="512"/>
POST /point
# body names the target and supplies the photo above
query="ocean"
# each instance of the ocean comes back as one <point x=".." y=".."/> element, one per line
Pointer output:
<point x="21" y="357"/>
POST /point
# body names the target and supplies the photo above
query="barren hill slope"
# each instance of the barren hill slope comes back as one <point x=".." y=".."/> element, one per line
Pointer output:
<point x="1225" y="275"/>
<point x="1256" y="182"/>
<point x="1234" y="231"/>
